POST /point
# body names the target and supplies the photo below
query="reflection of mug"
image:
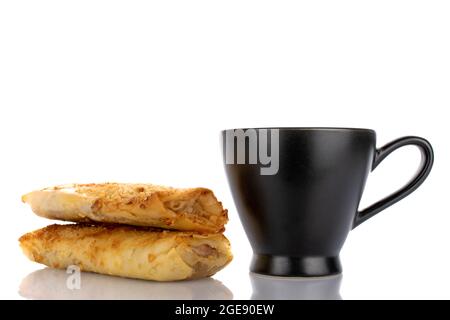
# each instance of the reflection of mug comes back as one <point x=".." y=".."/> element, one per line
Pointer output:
<point x="297" y="191"/>
<point x="282" y="288"/>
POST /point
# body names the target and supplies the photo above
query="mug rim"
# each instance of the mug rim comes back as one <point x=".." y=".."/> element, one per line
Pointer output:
<point x="308" y="129"/>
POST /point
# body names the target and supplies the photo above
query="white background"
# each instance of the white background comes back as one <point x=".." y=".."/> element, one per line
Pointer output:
<point x="137" y="91"/>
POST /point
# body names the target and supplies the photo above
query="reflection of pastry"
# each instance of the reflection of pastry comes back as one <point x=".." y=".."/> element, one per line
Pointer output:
<point x="50" y="284"/>
<point x="195" y="209"/>
<point x="134" y="252"/>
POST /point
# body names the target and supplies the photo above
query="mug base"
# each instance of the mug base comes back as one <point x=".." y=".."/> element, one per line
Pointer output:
<point x="286" y="266"/>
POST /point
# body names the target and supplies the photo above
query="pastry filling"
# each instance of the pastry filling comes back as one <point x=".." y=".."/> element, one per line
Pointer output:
<point x="202" y="206"/>
<point x="205" y="250"/>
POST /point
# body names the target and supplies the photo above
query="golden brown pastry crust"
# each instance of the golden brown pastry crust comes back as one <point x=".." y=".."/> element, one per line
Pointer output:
<point x="194" y="209"/>
<point x="134" y="252"/>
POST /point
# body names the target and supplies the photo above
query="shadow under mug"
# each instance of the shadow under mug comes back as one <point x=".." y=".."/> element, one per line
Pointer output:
<point x="297" y="191"/>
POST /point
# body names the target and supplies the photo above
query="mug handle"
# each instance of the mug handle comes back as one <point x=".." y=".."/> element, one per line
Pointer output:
<point x="415" y="182"/>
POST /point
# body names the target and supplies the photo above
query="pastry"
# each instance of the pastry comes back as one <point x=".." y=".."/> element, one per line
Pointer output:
<point x="194" y="209"/>
<point x="128" y="251"/>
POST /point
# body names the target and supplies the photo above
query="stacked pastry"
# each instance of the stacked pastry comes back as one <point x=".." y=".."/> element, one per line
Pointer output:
<point x="130" y="230"/>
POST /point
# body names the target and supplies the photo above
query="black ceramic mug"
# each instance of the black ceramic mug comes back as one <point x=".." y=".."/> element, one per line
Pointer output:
<point x="297" y="191"/>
